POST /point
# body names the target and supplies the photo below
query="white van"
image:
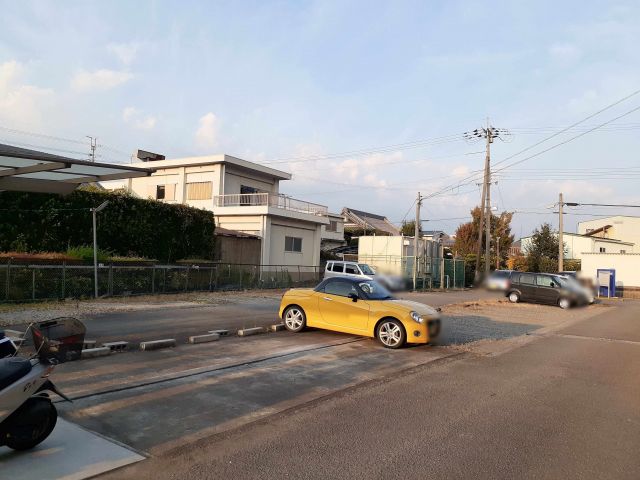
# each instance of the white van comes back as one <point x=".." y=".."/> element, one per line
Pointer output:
<point x="339" y="268"/>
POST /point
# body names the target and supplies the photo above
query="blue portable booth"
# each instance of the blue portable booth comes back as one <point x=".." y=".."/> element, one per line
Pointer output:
<point x="606" y="282"/>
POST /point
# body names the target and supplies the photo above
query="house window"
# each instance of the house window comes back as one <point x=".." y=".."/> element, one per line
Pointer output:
<point x="166" y="192"/>
<point x="199" y="191"/>
<point x="603" y="250"/>
<point x="293" y="244"/>
<point x="333" y="226"/>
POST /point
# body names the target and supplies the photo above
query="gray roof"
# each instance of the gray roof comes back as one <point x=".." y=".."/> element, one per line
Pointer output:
<point x="371" y="221"/>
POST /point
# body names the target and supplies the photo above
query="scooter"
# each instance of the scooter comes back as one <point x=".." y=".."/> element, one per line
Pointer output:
<point x="27" y="414"/>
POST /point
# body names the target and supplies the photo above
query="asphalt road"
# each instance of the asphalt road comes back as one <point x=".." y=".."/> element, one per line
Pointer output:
<point x="564" y="404"/>
<point x="241" y="312"/>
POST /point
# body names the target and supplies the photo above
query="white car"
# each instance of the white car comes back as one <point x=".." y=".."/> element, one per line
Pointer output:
<point x="341" y="268"/>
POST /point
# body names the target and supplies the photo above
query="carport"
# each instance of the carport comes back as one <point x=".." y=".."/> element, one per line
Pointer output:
<point x="23" y="170"/>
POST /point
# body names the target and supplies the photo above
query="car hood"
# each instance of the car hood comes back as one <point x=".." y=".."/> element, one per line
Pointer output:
<point x="409" y="306"/>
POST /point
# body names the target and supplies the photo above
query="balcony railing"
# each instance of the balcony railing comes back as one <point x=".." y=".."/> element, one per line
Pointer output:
<point x="271" y="200"/>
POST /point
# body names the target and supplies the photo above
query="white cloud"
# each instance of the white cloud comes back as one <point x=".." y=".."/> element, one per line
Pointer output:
<point x="125" y="52"/>
<point x="564" y="52"/>
<point x="137" y="119"/>
<point x="102" y="79"/>
<point x="21" y="103"/>
<point x="207" y="134"/>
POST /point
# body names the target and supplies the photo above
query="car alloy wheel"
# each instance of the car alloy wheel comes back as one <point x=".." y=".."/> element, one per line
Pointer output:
<point x="294" y="319"/>
<point x="391" y="334"/>
<point x="564" y="303"/>
<point x="514" y="297"/>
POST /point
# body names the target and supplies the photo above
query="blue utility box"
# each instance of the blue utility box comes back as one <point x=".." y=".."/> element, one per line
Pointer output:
<point x="606" y="282"/>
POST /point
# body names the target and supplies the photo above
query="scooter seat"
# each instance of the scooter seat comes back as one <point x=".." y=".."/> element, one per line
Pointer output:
<point x="13" y="369"/>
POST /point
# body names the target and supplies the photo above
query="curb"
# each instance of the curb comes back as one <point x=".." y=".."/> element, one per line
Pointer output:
<point x="95" y="352"/>
<point x="211" y="337"/>
<point x="158" y="344"/>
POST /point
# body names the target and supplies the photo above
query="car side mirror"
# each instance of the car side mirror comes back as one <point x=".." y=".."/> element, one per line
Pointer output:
<point x="353" y="297"/>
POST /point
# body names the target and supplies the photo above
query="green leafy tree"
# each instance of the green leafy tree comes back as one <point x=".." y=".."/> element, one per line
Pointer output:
<point x="467" y="236"/>
<point x="542" y="253"/>
<point x="408" y="228"/>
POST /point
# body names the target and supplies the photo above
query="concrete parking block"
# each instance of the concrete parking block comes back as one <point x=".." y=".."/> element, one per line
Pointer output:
<point x="277" y="327"/>
<point x="89" y="344"/>
<point x="211" y="337"/>
<point x="116" y="346"/>
<point x="96" y="352"/>
<point x="157" y="344"/>
<point x="222" y="333"/>
<point x="250" y="331"/>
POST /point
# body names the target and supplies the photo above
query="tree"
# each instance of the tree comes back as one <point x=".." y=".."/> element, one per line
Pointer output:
<point x="408" y="228"/>
<point x="467" y="235"/>
<point x="542" y="253"/>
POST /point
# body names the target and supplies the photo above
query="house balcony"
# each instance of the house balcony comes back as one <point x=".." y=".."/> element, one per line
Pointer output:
<point x="268" y="203"/>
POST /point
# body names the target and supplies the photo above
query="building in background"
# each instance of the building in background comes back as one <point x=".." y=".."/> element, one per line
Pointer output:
<point x="577" y="244"/>
<point x="237" y="247"/>
<point x="333" y="233"/>
<point x="365" y="223"/>
<point x="621" y="227"/>
<point x="244" y="197"/>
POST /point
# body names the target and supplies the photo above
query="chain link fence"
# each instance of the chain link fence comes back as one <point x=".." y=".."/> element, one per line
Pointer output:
<point x="41" y="282"/>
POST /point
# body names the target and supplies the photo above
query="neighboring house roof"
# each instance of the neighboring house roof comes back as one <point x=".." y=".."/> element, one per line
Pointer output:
<point x="225" y="232"/>
<point x="595" y="231"/>
<point x="588" y="235"/>
<point x="217" y="159"/>
<point x="366" y="220"/>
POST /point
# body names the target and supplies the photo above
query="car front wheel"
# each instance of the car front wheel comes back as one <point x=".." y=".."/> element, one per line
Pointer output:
<point x="294" y="319"/>
<point x="391" y="333"/>
<point x="514" y="297"/>
<point x="564" y="303"/>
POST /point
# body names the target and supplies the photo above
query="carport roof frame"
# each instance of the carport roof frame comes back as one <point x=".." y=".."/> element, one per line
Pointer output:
<point x="24" y="170"/>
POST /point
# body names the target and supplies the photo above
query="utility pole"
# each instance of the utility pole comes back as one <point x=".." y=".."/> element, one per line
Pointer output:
<point x="92" y="155"/>
<point x="560" y="239"/>
<point x="487" y="215"/>
<point x="416" y="242"/>
<point x="497" y="252"/>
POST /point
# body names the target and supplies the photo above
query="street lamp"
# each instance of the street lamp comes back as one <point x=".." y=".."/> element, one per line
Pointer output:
<point x="94" y="211"/>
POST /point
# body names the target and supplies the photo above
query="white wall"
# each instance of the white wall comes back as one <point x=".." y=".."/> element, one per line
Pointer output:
<point x="627" y="267"/>
<point x="576" y="245"/>
<point x="308" y="232"/>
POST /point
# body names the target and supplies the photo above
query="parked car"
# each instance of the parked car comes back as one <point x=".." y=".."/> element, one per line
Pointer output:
<point x="341" y="268"/>
<point x="498" y="280"/>
<point x="359" y="307"/>
<point x="546" y="288"/>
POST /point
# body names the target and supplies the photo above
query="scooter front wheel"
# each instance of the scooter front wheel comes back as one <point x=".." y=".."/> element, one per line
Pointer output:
<point x="30" y="424"/>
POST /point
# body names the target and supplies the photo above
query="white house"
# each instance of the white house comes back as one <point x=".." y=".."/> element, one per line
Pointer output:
<point x="624" y="228"/>
<point x="243" y="196"/>
<point x="577" y="244"/>
<point x="393" y="255"/>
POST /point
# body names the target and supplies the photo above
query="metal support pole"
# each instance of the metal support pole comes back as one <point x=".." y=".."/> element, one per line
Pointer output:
<point x="33" y="284"/>
<point x="95" y="254"/>
<point x="441" y="249"/>
<point x="416" y="239"/>
<point x="560" y="232"/>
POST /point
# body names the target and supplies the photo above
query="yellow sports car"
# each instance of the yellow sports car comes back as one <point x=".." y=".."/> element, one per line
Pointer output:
<point x="361" y="307"/>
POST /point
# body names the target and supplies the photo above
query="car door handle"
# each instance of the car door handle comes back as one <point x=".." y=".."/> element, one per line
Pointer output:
<point x="327" y="298"/>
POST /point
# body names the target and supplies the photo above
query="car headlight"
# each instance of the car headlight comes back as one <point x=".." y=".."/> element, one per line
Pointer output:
<point x="415" y="316"/>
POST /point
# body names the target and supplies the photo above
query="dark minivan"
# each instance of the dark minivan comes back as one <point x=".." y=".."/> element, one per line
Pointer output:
<point x="545" y="288"/>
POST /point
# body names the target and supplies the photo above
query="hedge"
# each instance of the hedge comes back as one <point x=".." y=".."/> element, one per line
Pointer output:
<point x="129" y="226"/>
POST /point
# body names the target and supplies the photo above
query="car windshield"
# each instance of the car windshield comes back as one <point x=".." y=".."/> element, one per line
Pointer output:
<point x="366" y="269"/>
<point x="563" y="281"/>
<point x="375" y="291"/>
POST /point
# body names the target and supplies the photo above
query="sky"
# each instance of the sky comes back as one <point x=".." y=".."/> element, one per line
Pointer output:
<point x="365" y="102"/>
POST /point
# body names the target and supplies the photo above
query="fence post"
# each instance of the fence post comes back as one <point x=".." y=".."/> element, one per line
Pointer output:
<point x="455" y="267"/>
<point x="186" y="282"/>
<point x="299" y="279"/>
<point x="110" y="280"/>
<point x="153" y="279"/>
<point x="8" y="279"/>
<point x="64" y="279"/>
<point x="33" y="284"/>
<point x="210" y="277"/>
